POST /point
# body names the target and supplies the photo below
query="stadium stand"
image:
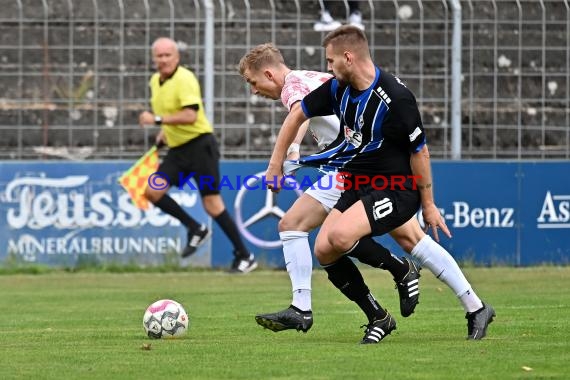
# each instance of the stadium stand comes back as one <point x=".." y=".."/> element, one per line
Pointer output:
<point x="73" y="74"/>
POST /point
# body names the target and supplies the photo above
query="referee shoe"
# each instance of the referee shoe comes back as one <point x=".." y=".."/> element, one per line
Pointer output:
<point x="195" y="239"/>
<point x="243" y="264"/>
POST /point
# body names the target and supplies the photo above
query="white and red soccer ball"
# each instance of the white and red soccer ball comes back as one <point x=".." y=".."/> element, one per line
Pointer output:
<point x="165" y="319"/>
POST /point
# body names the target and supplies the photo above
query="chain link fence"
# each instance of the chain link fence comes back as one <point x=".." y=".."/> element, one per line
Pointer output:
<point x="74" y="73"/>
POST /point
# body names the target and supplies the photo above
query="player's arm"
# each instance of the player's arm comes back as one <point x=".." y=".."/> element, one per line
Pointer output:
<point x="286" y="136"/>
<point x="293" y="152"/>
<point x="421" y="168"/>
<point x="407" y="112"/>
<point x="317" y="103"/>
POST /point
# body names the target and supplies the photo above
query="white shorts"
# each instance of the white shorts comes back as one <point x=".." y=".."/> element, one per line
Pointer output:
<point x="326" y="190"/>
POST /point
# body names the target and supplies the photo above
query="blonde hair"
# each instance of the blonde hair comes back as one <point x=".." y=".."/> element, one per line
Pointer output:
<point x="260" y="56"/>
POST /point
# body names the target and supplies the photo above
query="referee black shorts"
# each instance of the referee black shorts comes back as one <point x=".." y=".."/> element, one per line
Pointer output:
<point x="199" y="159"/>
<point x="386" y="209"/>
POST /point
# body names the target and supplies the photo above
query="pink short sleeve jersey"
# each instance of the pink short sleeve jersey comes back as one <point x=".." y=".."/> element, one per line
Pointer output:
<point x="299" y="83"/>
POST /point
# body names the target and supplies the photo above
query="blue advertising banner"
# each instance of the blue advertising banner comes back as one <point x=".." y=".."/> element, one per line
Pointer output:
<point x="66" y="213"/>
<point x="545" y="213"/>
<point x="499" y="213"/>
<point x="506" y="213"/>
<point x="479" y="203"/>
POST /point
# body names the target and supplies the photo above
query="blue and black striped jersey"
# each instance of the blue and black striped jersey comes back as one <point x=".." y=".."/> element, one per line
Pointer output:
<point x="380" y="127"/>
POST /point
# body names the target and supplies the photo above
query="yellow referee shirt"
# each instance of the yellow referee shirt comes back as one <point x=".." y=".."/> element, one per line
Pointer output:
<point x="180" y="90"/>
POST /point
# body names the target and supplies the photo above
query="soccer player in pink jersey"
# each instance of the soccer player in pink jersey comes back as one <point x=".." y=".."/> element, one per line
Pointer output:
<point x="264" y="69"/>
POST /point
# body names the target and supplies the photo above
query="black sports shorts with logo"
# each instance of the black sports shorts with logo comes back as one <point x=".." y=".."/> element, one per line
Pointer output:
<point x="199" y="159"/>
<point x="386" y="209"/>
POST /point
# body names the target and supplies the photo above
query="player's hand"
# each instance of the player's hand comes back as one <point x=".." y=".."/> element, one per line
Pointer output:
<point x="273" y="178"/>
<point x="433" y="220"/>
<point x="146" y="119"/>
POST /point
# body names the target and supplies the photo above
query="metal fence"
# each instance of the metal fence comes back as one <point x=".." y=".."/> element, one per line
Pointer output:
<point x="73" y="73"/>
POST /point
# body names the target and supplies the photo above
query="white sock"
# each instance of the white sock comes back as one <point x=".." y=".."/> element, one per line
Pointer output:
<point x="434" y="257"/>
<point x="302" y="299"/>
<point x="470" y="301"/>
<point x="299" y="263"/>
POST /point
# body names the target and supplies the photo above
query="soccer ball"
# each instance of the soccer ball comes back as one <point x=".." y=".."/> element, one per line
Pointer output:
<point x="165" y="319"/>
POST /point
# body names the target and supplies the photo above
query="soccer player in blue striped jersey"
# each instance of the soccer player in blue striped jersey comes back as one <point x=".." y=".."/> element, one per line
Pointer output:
<point x="381" y="137"/>
<point x="264" y="69"/>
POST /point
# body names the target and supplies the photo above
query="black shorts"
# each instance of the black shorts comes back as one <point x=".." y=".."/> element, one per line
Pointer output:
<point x="199" y="159"/>
<point x="386" y="209"/>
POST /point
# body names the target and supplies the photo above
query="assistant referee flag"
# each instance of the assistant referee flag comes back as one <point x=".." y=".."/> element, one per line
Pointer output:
<point x="135" y="179"/>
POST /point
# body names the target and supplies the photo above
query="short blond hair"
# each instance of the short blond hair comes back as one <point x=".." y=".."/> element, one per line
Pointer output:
<point x="260" y="56"/>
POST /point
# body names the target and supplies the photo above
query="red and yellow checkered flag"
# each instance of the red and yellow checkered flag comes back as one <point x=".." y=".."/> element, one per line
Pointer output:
<point x="135" y="180"/>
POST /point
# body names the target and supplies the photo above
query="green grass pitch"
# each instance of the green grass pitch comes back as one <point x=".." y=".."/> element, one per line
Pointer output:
<point x="86" y="325"/>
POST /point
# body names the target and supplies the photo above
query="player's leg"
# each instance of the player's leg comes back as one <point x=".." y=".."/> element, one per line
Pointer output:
<point x="405" y="272"/>
<point x="307" y="213"/>
<point x="433" y="256"/>
<point x="304" y="215"/>
<point x="331" y="244"/>
<point x="368" y="251"/>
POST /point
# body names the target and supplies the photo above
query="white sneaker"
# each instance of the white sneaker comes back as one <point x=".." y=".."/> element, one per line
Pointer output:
<point x="355" y="19"/>
<point x="326" y="23"/>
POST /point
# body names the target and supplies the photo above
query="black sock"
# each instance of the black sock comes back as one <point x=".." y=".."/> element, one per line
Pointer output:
<point x="347" y="278"/>
<point x="169" y="206"/>
<point x="229" y="227"/>
<point x="369" y="252"/>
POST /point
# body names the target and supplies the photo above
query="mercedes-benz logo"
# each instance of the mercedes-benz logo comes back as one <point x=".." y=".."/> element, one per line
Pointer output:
<point x="268" y="209"/>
